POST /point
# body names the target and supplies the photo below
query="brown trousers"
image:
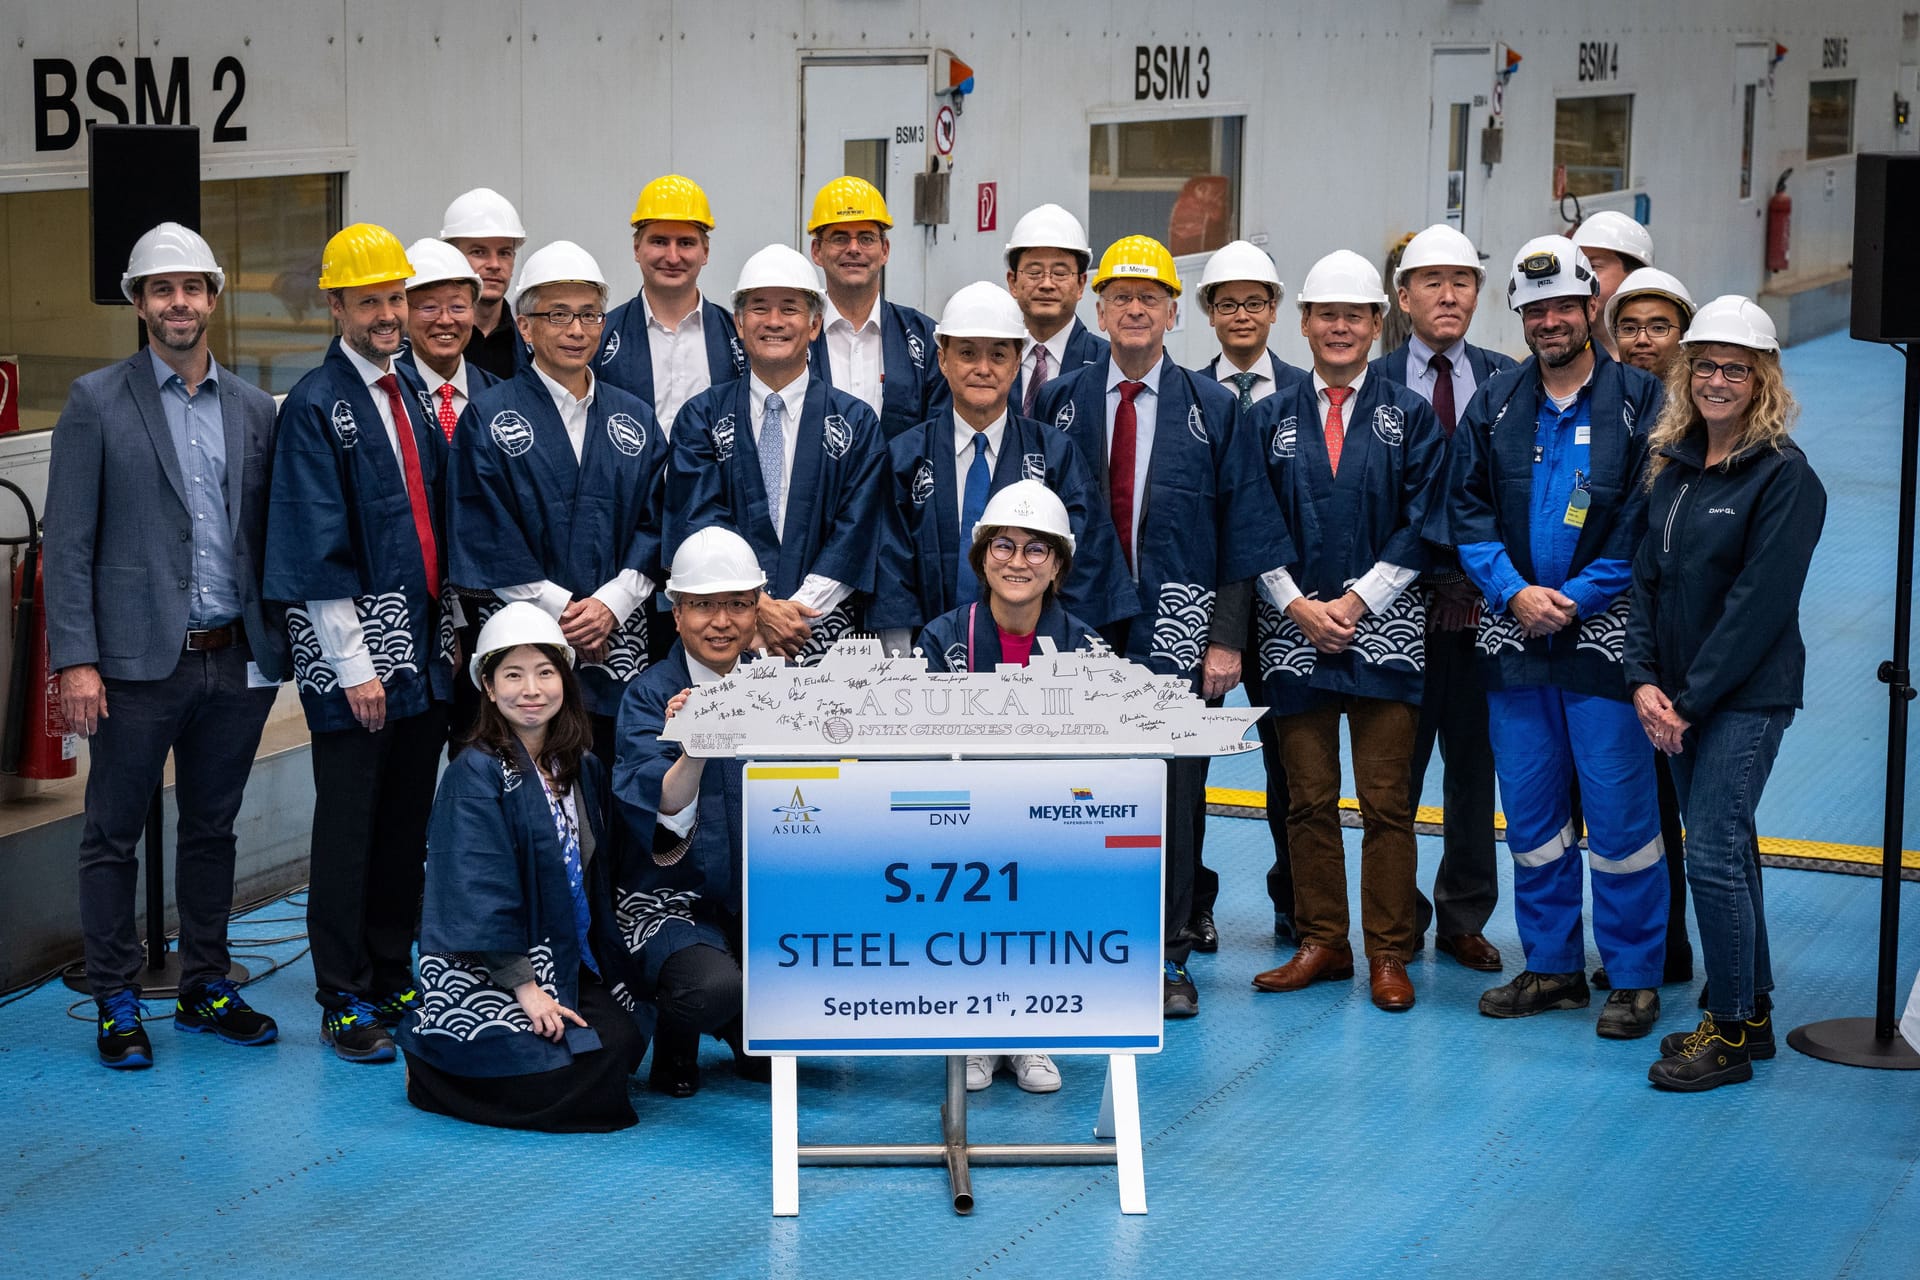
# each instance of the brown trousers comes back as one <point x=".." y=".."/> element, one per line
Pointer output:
<point x="1381" y="733"/>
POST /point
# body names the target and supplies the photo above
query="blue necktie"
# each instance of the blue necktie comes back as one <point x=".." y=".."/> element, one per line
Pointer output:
<point x="973" y="505"/>
<point x="773" y="457"/>
<point x="1245" y="382"/>
<point x="576" y="877"/>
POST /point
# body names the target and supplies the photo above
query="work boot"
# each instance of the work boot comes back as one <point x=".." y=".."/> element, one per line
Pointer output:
<point x="1530" y="993"/>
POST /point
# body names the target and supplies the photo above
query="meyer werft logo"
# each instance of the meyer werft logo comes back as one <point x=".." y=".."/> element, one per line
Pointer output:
<point x="797" y="817"/>
<point x="1082" y="812"/>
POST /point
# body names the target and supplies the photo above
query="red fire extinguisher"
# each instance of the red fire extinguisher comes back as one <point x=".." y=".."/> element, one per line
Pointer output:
<point x="37" y="742"/>
<point x="1779" y="224"/>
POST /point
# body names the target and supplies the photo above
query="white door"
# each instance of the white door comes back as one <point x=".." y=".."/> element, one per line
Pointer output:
<point x="1462" y="79"/>
<point x="869" y="118"/>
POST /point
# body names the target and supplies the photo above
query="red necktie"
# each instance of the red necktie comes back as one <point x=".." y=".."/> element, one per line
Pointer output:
<point x="1443" y="392"/>
<point x="1120" y="467"/>
<point x="447" y="416"/>
<point x="1336" y="427"/>
<point x="416" y="481"/>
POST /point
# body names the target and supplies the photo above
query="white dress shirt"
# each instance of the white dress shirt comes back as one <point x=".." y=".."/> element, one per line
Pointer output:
<point x="1146" y="411"/>
<point x="1224" y="369"/>
<point x="1379" y="586"/>
<point x="434" y="382"/>
<point x="679" y="360"/>
<point x="682" y="822"/>
<point x="1056" y="356"/>
<point x="336" y="623"/>
<point x="816" y="591"/>
<point x="963" y="461"/>
<point x="627" y="588"/>
<point x="856" y="354"/>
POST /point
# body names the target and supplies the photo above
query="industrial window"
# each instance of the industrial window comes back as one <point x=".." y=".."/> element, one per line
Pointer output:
<point x="1592" y="138"/>
<point x="1748" y="96"/>
<point x="1175" y="180"/>
<point x="271" y="325"/>
<point x="1829" y="119"/>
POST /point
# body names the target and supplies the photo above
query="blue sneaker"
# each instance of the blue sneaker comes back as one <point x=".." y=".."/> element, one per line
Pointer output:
<point x="396" y="1006"/>
<point x="123" y="1042"/>
<point x="1179" y="998"/>
<point x="355" y="1032"/>
<point x="218" y="1007"/>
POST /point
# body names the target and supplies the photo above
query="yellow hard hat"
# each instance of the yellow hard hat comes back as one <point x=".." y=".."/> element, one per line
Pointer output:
<point x="1137" y="258"/>
<point x="673" y="199"/>
<point x="362" y="254"/>
<point x="848" y="199"/>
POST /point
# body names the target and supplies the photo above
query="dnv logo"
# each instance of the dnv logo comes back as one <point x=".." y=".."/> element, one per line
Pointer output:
<point x="797" y="817"/>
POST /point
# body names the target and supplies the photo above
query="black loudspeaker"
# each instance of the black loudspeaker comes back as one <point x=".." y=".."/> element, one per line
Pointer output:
<point x="137" y="177"/>
<point x="1886" y="247"/>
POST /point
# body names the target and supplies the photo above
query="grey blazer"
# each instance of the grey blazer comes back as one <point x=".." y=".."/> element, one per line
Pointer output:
<point x="118" y="543"/>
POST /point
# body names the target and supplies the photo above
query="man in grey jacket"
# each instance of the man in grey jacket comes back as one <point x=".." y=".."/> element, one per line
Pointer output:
<point x="155" y="526"/>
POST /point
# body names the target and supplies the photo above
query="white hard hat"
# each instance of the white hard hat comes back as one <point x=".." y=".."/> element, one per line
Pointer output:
<point x="1734" y="320"/>
<point x="981" y="310"/>
<point x="1648" y="281"/>
<point x="1438" y="246"/>
<point x="170" y="247"/>
<point x="1550" y="267"/>
<point x="777" y="266"/>
<point x="1049" y="227"/>
<point x="1026" y="504"/>
<point x="712" y="560"/>
<point x="482" y="214"/>
<point x="1239" y="260"/>
<point x="515" y="624"/>
<point x="436" y="262"/>
<point x="1343" y="276"/>
<point x="562" y="262"/>
<point x="1616" y="231"/>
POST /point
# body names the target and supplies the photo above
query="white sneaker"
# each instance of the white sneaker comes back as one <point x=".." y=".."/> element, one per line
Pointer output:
<point x="1034" y="1072"/>
<point x="980" y="1069"/>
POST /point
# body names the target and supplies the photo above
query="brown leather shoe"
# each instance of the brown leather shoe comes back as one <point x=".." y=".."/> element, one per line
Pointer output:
<point x="1392" y="989"/>
<point x="1472" y="950"/>
<point x="1311" y="963"/>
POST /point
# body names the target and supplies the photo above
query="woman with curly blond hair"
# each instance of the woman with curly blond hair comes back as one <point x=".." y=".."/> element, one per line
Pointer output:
<point x="1714" y="655"/>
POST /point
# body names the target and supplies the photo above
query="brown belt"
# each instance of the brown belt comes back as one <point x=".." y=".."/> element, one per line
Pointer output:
<point x="217" y="638"/>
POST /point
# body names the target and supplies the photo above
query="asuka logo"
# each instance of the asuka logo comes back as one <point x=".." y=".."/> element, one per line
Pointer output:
<point x="797" y="817"/>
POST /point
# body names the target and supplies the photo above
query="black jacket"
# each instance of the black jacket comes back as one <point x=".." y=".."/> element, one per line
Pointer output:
<point x="1716" y="583"/>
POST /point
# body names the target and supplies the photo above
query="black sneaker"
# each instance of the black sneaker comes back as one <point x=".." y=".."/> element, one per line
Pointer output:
<point x="123" y="1042"/>
<point x="1532" y="993"/>
<point x="1629" y="1013"/>
<point x="396" y="1005"/>
<point x="1179" y="998"/>
<point x="1759" y="1033"/>
<point x="355" y="1032"/>
<point x="218" y="1007"/>
<point x="1710" y="1057"/>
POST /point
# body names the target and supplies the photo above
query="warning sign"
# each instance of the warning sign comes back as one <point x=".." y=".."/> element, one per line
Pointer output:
<point x="989" y="206"/>
<point x="943" y="131"/>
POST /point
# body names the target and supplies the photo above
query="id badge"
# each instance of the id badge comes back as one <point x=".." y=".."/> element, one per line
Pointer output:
<point x="1577" y="508"/>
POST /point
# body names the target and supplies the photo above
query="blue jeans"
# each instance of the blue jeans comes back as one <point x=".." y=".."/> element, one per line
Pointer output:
<point x="1719" y="774"/>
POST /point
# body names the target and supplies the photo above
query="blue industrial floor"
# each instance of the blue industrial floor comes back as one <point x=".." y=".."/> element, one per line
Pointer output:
<point x="1304" y="1134"/>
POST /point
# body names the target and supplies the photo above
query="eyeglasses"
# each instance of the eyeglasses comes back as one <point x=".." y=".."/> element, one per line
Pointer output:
<point x="1122" y="300"/>
<point x="562" y="319"/>
<point x="712" y="608"/>
<point x="1734" y="373"/>
<point x="841" y="239"/>
<point x="1059" y="273"/>
<point x="433" y="311"/>
<point x="1630" y="329"/>
<point x="1002" y="549"/>
<point x="1252" y="306"/>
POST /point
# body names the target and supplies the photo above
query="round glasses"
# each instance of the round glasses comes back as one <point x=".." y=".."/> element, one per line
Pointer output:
<point x="1002" y="550"/>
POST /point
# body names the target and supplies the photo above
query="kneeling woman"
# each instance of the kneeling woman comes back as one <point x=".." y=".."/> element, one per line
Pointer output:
<point x="525" y="1018"/>
<point x="1022" y="551"/>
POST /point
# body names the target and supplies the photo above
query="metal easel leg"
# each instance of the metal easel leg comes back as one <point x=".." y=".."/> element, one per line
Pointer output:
<point x="953" y="1128"/>
<point x="786" y="1137"/>
<point x="1124" y="1092"/>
